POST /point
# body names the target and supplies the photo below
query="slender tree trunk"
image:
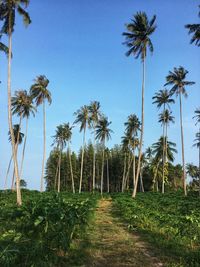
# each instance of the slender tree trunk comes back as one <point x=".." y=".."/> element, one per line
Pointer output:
<point x="93" y="174"/>
<point x="128" y="171"/>
<point x="102" y="168"/>
<point x="82" y="157"/>
<point x="155" y="177"/>
<point x="71" y="169"/>
<point x="13" y="181"/>
<point x="44" y="147"/>
<point x="24" y="147"/>
<point x="199" y="168"/>
<point x="141" y="181"/>
<point x="124" y="173"/>
<point x="108" y="180"/>
<point x="59" y="167"/>
<point x="163" y="156"/>
<point x="6" y="179"/>
<point x="134" y="165"/>
<point x="141" y="134"/>
<point x="182" y="144"/>
<point x="19" y="199"/>
<point x="55" y="180"/>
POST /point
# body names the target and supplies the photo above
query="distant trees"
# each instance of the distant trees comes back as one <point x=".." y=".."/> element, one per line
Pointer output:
<point x="195" y="30"/>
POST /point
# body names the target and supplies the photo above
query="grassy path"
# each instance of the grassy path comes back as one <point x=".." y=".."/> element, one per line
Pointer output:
<point x="109" y="244"/>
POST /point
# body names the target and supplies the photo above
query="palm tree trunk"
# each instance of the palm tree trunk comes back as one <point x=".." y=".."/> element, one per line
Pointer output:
<point x="102" y="168"/>
<point x="182" y="144"/>
<point x="24" y="147"/>
<point x="127" y="173"/>
<point x="13" y="181"/>
<point x="82" y="157"/>
<point x="134" y="165"/>
<point x="55" y="180"/>
<point x="141" y="181"/>
<point x="142" y="133"/>
<point x="59" y="167"/>
<point x="19" y="199"/>
<point x="71" y="170"/>
<point x="6" y="179"/>
<point x="44" y="147"/>
<point x="163" y="156"/>
<point x="93" y="175"/>
<point x="199" y="168"/>
<point x="124" y="173"/>
<point x="108" y="180"/>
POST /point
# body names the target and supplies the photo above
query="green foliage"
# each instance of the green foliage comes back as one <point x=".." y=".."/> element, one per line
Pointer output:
<point x="170" y="221"/>
<point x="39" y="232"/>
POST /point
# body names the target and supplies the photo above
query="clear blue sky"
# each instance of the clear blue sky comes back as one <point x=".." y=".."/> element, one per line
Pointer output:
<point x="78" y="45"/>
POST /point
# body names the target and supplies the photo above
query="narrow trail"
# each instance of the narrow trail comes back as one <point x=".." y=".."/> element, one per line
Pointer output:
<point x="110" y="244"/>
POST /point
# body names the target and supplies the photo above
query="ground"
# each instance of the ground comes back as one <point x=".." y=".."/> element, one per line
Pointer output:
<point x="108" y="243"/>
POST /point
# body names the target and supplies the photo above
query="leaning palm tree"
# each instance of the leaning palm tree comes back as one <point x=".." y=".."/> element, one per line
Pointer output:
<point x="103" y="133"/>
<point x="40" y="93"/>
<point x="138" y="40"/>
<point x="8" y="10"/>
<point x="22" y="106"/>
<point x="67" y="129"/>
<point x="177" y="78"/>
<point x="195" y="30"/>
<point x="94" y="109"/>
<point x="82" y="118"/>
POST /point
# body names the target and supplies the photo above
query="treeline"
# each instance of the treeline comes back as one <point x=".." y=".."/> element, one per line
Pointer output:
<point x="115" y="168"/>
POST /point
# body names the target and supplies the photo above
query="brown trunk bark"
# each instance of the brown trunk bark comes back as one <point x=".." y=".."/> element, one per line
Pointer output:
<point x="82" y="157"/>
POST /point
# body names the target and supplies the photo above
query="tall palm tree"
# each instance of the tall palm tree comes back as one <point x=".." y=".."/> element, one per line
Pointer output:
<point x="138" y="40"/>
<point x="8" y="10"/>
<point x="103" y="133"/>
<point x="67" y="136"/>
<point x="60" y="142"/>
<point x="21" y="105"/>
<point x="40" y="93"/>
<point x="163" y="98"/>
<point x="94" y="109"/>
<point x="195" y="30"/>
<point x="82" y="118"/>
<point x="176" y="78"/>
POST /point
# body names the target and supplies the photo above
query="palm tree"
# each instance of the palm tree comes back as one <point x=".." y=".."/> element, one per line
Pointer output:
<point x="22" y="106"/>
<point x="67" y="136"/>
<point x="177" y="79"/>
<point x="18" y="140"/>
<point x="103" y="133"/>
<point x="157" y="149"/>
<point x="60" y="142"/>
<point x="8" y="9"/>
<point x="197" y="144"/>
<point x="163" y="98"/>
<point x="82" y="118"/>
<point x="197" y="116"/>
<point x="138" y="40"/>
<point x="195" y="30"/>
<point x="40" y="93"/>
<point x="94" y="109"/>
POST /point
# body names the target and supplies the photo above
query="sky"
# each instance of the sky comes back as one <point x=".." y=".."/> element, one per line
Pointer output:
<point x="78" y="46"/>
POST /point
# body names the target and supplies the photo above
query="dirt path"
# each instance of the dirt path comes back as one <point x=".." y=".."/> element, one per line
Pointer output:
<point x="110" y="244"/>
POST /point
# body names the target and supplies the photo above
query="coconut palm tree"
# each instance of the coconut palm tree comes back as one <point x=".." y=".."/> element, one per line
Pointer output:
<point x="82" y="118"/>
<point x="40" y="93"/>
<point x="195" y="30"/>
<point x="197" y="144"/>
<point x="60" y="142"/>
<point x="8" y="10"/>
<point x="67" y="136"/>
<point x="163" y="98"/>
<point x="18" y="138"/>
<point x="94" y="109"/>
<point x="103" y="133"/>
<point x="176" y="78"/>
<point x="137" y="38"/>
<point x="132" y="126"/>
<point x="22" y="106"/>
